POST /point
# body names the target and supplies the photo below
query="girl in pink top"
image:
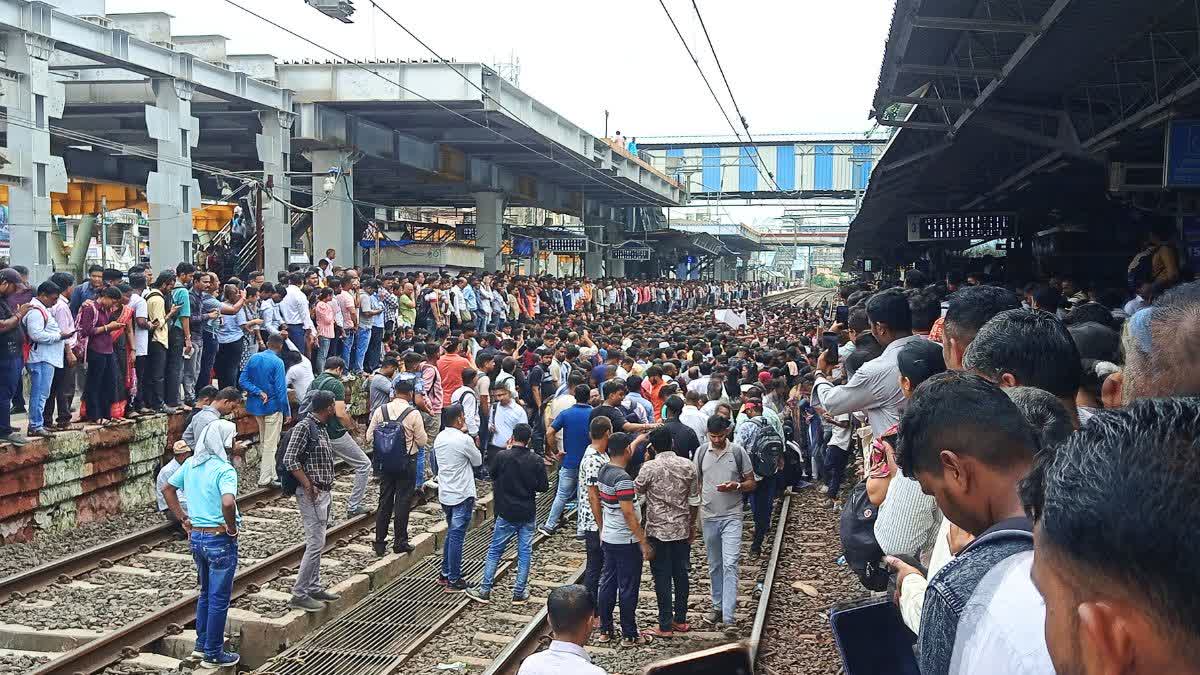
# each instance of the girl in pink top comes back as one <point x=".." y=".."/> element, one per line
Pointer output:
<point x="324" y="314"/>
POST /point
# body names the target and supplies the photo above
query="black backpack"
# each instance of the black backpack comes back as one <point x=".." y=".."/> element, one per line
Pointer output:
<point x="390" y="441"/>
<point x="857" y="530"/>
<point x="768" y="448"/>
<point x="287" y="481"/>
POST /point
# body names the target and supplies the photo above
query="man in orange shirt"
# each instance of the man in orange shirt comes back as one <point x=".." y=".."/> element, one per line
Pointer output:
<point x="451" y="365"/>
<point x="652" y="388"/>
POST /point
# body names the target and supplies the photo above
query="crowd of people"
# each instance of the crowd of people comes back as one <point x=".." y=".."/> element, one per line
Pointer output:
<point x="1011" y="460"/>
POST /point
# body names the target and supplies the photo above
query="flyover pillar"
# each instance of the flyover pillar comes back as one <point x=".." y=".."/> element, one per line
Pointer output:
<point x="489" y="223"/>
<point x="333" y="221"/>
<point x="614" y="234"/>
<point x="171" y="191"/>
<point x="274" y="146"/>
<point x="32" y="99"/>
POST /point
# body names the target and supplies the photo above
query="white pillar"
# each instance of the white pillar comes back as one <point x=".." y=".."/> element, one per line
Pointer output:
<point x="489" y="223"/>
<point x="171" y="190"/>
<point x="333" y="223"/>
<point x="274" y="146"/>
<point x="30" y="102"/>
<point x="615" y="233"/>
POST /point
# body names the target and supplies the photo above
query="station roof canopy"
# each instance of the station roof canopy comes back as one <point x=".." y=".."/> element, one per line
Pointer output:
<point x="993" y="98"/>
<point x="736" y="237"/>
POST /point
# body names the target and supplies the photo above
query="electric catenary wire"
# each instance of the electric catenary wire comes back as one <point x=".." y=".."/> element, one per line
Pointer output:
<point x="639" y="200"/>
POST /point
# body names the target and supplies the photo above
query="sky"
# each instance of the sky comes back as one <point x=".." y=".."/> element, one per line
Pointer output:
<point x="794" y="65"/>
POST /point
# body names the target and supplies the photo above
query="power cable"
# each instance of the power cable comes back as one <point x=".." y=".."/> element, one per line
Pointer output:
<point x="640" y="200"/>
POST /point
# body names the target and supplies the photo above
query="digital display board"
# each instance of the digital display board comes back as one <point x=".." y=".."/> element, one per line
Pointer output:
<point x="950" y="226"/>
<point x="466" y="232"/>
<point x="631" y="253"/>
<point x="522" y="247"/>
<point x="564" y="245"/>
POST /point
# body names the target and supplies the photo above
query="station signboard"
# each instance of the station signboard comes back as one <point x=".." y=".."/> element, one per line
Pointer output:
<point x="564" y="245"/>
<point x="465" y="232"/>
<point x="1181" y="169"/>
<point x="955" y="226"/>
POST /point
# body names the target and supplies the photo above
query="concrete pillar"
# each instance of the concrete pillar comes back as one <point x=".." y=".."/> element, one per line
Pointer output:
<point x="333" y="223"/>
<point x="30" y="101"/>
<point x="489" y="223"/>
<point x="274" y="150"/>
<point x="615" y="268"/>
<point x="171" y="190"/>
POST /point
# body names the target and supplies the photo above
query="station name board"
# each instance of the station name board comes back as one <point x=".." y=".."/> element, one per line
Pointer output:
<point x="950" y="226"/>
<point x="630" y="251"/>
<point x="564" y="245"/>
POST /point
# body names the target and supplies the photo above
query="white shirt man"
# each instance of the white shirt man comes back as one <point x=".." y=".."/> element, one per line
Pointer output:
<point x="469" y="400"/>
<point x="456" y="456"/>
<point x="141" y="336"/>
<point x="695" y="420"/>
<point x="294" y="309"/>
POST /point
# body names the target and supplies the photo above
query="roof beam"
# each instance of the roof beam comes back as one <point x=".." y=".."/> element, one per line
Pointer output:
<point x="919" y="126"/>
<point x="979" y="25"/>
<point x="948" y="71"/>
<point x="1048" y="19"/>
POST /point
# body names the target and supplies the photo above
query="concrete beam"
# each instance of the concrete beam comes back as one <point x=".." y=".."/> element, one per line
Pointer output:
<point x="121" y="49"/>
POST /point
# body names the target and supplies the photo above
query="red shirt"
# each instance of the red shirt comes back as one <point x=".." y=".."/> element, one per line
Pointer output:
<point x="653" y="393"/>
<point x="451" y="367"/>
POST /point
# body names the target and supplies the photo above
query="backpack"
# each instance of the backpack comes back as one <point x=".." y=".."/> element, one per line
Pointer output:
<point x="700" y="454"/>
<point x="768" y="448"/>
<point x="857" y="530"/>
<point x="27" y="344"/>
<point x="390" y="440"/>
<point x="288" y="483"/>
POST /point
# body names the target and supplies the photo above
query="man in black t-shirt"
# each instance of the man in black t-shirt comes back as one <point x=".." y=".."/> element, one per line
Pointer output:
<point x="614" y="393"/>
<point x="683" y="438"/>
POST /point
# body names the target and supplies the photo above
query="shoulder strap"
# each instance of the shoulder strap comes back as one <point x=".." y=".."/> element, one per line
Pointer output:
<point x="407" y="411"/>
<point x="386" y="416"/>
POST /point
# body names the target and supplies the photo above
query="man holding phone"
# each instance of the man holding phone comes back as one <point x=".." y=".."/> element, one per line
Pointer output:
<point x="723" y="472"/>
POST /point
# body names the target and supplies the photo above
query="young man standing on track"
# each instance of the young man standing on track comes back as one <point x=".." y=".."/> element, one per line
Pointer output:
<point x="457" y="457"/>
<point x="519" y="476"/>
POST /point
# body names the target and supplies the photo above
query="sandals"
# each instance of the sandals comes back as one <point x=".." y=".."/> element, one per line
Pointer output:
<point x="605" y="638"/>
<point x="660" y="633"/>
<point x="680" y="627"/>
<point x="643" y="640"/>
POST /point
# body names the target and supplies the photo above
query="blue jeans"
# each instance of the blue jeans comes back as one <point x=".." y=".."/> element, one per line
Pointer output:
<point x="362" y="338"/>
<point x="41" y="376"/>
<point x="216" y="558"/>
<point x="323" y="344"/>
<point x="481" y="322"/>
<point x="568" y="481"/>
<point x="722" y="541"/>
<point x="458" y="518"/>
<point x="501" y="535"/>
<point x="347" y="346"/>
<point x="295" y="333"/>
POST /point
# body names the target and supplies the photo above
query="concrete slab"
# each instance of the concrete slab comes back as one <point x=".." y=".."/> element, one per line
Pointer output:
<point x="153" y="661"/>
<point x="512" y="618"/>
<point x="132" y="571"/>
<point x="168" y="555"/>
<point x="16" y="636"/>
<point x="492" y="638"/>
<point x="472" y="661"/>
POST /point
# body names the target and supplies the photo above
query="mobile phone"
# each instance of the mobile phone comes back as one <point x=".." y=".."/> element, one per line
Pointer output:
<point x="829" y="341"/>
<point x="730" y="659"/>
<point x="842" y="314"/>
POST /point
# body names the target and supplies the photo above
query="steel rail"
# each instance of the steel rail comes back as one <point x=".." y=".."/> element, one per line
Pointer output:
<point x="127" y="640"/>
<point x="87" y="560"/>
<point x="764" y="599"/>
<point x="526" y="642"/>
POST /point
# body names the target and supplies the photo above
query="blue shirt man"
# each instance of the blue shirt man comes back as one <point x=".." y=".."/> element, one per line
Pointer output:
<point x="471" y="297"/>
<point x="265" y="374"/>
<point x="380" y="319"/>
<point x="575" y="423"/>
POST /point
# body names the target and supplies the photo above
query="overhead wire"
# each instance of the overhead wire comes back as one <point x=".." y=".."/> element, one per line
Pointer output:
<point x="639" y="200"/>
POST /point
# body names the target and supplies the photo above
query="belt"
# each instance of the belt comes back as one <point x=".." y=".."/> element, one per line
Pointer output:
<point x="210" y="530"/>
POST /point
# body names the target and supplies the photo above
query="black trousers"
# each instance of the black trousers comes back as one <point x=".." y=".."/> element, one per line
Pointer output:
<point x="174" y="371"/>
<point x="371" y="362"/>
<point x="835" y="468"/>
<point x="62" y="393"/>
<point x="395" y="503"/>
<point x="228" y="363"/>
<point x="670" y="571"/>
<point x="156" y="369"/>
<point x="762" y="504"/>
<point x="595" y="563"/>
<point x="101" y="385"/>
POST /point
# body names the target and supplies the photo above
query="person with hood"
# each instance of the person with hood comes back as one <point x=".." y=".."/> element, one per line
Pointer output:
<point x="211" y="521"/>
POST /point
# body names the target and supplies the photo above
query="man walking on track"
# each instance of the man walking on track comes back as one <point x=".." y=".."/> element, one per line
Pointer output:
<point x="339" y="427"/>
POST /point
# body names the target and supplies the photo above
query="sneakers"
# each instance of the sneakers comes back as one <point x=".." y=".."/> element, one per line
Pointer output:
<point x="548" y="531"/>
<point x="479" y="595"/>
<point x="457" y="586"/>
<point x="223" y="659"/>
<point x="359" y="510"/>
<point x="197" y="655"/>
<point x="442" y="580"/>
<point x="403" y="548"/>
<point x="15" y="440"/>
<point x="521" y="599"/>
<point x="325" y="596"/>
<point x="307" y="604"/>
<point x="715" y="616"/>
<point x="41" y="432"/>
<point x="730" y="630"/>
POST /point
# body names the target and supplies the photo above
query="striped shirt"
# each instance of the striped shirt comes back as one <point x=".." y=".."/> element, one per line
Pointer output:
<point x="615" y="486"/>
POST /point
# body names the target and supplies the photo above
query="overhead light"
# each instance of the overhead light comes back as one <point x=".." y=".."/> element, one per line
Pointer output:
<point x="338" y="9"/>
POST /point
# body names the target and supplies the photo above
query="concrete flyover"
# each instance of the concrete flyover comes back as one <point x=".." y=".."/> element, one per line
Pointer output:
<point x="421" y="133"/>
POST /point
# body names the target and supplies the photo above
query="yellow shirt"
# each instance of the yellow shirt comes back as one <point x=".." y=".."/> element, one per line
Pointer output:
<point x="156" y="310"/>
